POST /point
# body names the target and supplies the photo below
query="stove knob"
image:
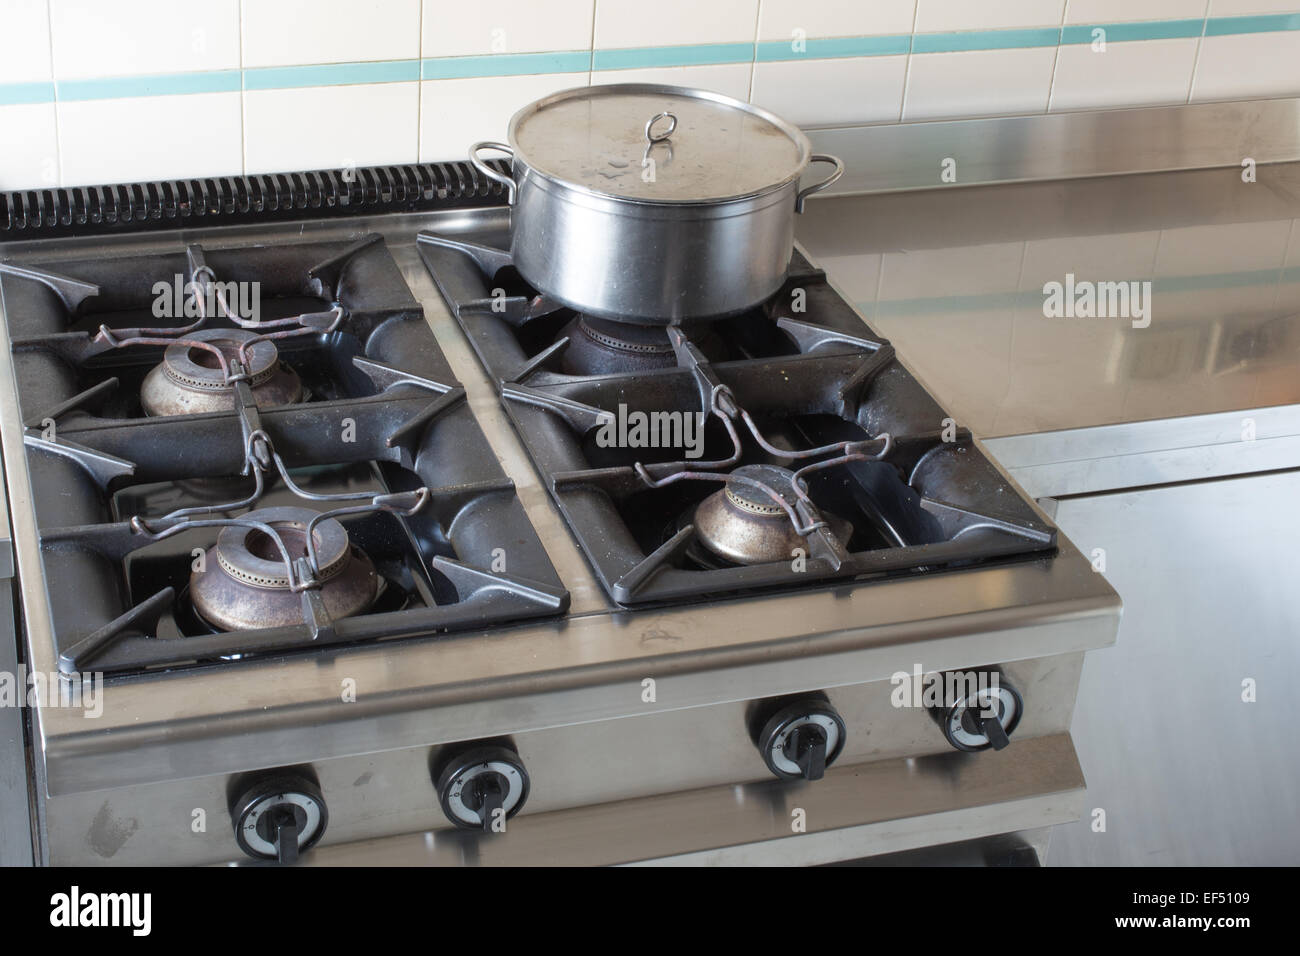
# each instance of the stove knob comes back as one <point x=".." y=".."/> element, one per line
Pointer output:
<point x="985" y="718"/>
<point x="800" y="737"/>
<point x="279" y="816"/>
<point x="481" y="786"/>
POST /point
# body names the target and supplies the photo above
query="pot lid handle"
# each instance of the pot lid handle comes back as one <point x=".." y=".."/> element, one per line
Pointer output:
<point x="652" y="137"/>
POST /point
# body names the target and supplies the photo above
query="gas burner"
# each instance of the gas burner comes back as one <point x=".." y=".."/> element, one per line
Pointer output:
<point x="191" y="379"/>
<point x="245" y="581"/>
<point x="604" y="347"/>
<point x="743" y="524"/>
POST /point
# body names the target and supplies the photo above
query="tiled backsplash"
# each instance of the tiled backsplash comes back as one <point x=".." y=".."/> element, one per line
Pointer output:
<point x="95" y="91"/>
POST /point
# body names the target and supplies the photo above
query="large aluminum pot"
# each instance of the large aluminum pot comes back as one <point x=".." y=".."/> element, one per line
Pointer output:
<point x="653" y="204"/>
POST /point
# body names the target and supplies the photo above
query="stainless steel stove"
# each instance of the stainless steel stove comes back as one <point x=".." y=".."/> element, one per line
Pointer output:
<point x="367" y="579"/>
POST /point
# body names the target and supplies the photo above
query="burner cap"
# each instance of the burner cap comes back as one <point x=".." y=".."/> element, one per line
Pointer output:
<point x="745" y="525"/>
<point x="190" y="381"/>
<point x="245" y="583"/>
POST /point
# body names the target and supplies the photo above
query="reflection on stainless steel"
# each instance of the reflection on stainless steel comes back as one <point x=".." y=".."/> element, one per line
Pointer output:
<point x="1188" y="771"/>
<point x="956" y="276"/>
<point x="1065" y="145"/>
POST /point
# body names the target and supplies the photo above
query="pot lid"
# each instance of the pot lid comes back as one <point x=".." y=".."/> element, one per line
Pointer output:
<point x="650" y="143"/>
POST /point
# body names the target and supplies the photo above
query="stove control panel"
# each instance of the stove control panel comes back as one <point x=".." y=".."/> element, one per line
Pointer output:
<point x="481" y="786"/>
<point x="278" y="815"/>
<point x="983" y="714"/>
<point x="798" y="737"/>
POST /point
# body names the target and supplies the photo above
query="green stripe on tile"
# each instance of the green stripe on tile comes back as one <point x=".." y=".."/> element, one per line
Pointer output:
<point x="160" y="84"/>
<point x="18" y="94"/>
<point x="985" y="40"/>
<point x="826" y="48"/>
<point x="701" y="54"/>
<point x="1125" y="32"/>
<point x="331" y="74"/>
<point x="1267" y="23"/>
<point x="506" y="64"/>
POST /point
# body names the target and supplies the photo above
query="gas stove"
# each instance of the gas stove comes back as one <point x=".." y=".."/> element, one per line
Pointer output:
<point x="377" y="555"/>
<point x="816" y="457"/>
<point x="216" y="485"/>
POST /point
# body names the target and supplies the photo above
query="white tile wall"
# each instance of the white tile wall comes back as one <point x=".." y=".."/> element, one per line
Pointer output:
<point x="85" y="52"/>
<point x="285" y="32"/>
<point x="25" y="26"/>
<point x="1141" y="72"/>
<point x="731" y="79"/>
<point x="778" y="19"/>
<point x="456" y="113"/>
<point x="29" y="146"/>
<point x="939" y="15"/>
<point x="283" y="128"/>
<point x="1241" y="8"/>
<point x="100" y="141"/>
<point x="978" y="83"/>
<point x="98" y="38"/>
<point x="1118" y="11"/>
<point x="507" y="26"/>
<point x="638" y="23"/>
<point x="839" y="92"/>
<point x="1247" y="65"/>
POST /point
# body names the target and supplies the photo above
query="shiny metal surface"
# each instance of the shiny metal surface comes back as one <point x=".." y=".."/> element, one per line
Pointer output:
<point x="913" y="802"/>
<point x="15" y="809"/>
<point x="610" y="257"/>
<point x="1078" y="461"/>
<point x="1188" y="769"/>
<point x="623" y="223"/>
<point x="1064" y="145"/>
<point x="955" y="279"/>
<point x="716" y="149"/>
<point x="588" y="667"/>
<point x="377" y="793"/>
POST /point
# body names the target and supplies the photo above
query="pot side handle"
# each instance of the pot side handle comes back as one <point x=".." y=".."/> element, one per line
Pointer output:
<point x="818" y="187"/>
<point x="506" y="181"/>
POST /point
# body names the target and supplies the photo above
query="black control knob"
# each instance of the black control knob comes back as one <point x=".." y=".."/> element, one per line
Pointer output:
<point x="799" y="737"/>
<point x="279" y="816"/>
<point x="984" y="713"/>
<point x="481" y="787"/>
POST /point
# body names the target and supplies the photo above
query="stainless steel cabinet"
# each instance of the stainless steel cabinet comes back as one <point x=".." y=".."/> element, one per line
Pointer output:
<point x="1186" y="771"/>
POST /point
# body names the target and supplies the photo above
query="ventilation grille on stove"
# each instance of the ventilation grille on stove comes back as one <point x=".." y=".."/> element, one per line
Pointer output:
<point x="180" y="203"/>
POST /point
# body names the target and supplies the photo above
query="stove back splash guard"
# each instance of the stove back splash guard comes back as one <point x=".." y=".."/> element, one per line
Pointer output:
<point x="214" y="484"/>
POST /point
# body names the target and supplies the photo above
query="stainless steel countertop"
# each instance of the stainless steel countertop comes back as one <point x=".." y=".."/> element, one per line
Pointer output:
<point x="588" y="666"/>
<point x="954" y="277"/>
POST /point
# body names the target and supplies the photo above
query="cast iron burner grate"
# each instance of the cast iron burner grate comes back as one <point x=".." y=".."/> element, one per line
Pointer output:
<point x="377" y="459"/>
<point x="817" y="438"/>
